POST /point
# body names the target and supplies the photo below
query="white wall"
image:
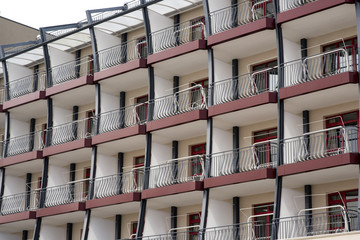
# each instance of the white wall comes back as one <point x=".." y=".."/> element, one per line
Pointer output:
<point x="101" y="229"/>
<point x="14" y="185"/>
<point x="160" y="153"/>
<point x="58" y="175"/>
<point x="6" y="236"/>
<point x="292" y="50"/>
<point x="163" y="87"/>
<point x="105" y="40"/>
<point x="292" y="201"/>
<point x="16" y="71"/>
<point x="220" y="213"/>
<point x="61" y="115"/>
<point x="54" y="233"/>
<point x="106" y="165"/>
<point x="222" y="140"/>
<point x="58" y="57"/>
<point x="293" y="125"/>
<point x="19" y="128"/>
<point x="158" y="21"/>
<point x="109" y="102"/>
<point x="218" y="4"/>
<point x="222" y="70"/>
<point x="156" y="222"/>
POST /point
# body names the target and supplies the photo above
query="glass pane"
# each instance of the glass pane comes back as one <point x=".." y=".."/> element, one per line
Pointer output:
<point x="351" y="195"/>
<point x="139" y="160"/>
<point x="350" y="117"/>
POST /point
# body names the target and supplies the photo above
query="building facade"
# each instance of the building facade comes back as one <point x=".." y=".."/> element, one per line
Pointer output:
<point x="184" y="119"/>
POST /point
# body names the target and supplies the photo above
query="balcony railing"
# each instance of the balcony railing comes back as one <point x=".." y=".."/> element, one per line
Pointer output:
<point x="120" y="118"/>
<point x="23" y="144"/>
<point x="20" y="202"/>
<point x="72" y="70"/>
<point x="127" y="182"/>
<point x="185" y="233"/>
<point x="259" y="155"/>
<point x="186" y="100"/>
<point x="240" y="14"/>
<point x="246" y="85"/>
<point x="291" y="4"/>
<point x="176" y="171"/>
<point x="324" y="220"/>
<point x="320" y="144"/>
<point x="319" y="66"/>
<point x="178" y="35"/>
<point x="2" y="94"/>
<point x="69" y="132"/>
<point x="119" y="54"/>
<point x="26" y="85"/>
<point x="71" y="192"/>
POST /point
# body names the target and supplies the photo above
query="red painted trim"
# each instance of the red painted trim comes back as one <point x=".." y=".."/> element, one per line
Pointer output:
<point x="310" y="8"/>
<point x="67" y="208"/>
<point x="31" y="97"/>
<point x="240" y="104"/>
<point x="66" y="147"/>
<point x="317" y="164"/>
<point x="118" y="199"/>
<point x="173" y="189"/>
<point x="241" y="31"/>
<point x="18" y="217"/>
<point x="319" y="84"/>
<point x="260" y="174"/>
<point x="172" y="121"/>
<point x="119" y="134"/>
<point x="120" y="69"/>
<point x="177" y="51"/>
<point x="65" y="86"/>
<point x="21" y="158"/>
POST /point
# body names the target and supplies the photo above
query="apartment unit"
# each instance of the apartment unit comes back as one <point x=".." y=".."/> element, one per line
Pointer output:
<point x="184" y="119"/>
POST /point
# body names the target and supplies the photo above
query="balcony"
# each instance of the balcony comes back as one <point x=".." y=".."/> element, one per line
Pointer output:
<point x="328" y="148"/>
<point x="18" y="203"/>
<point x="323" y="221"/>
<point x="70" y="75"/>
<point x="288" y="5"/>
<point x="256" y="162"/>
<point x="190" y="103"/>
<point x="248" y="90"/>
<point x="117" y="188"/>
<point x="68" y="136"/>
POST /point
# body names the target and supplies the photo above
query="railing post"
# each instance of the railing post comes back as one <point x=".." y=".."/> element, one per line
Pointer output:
<point x="120" y="171"/>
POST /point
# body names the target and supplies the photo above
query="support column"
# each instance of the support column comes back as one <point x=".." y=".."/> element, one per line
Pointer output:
<point x="72" y="179"/>
<point x="234" y="13"/>
<point x="235" y="78"/>
<point x="78" y="62"/>
<point x="174" y="167"/>
<point x="147" y="28"/>
<point x="24" y="235"/>
<point x="308" y="205"/>
<point x="176" y="29"/>
<point x="93" y="42"/>
<point x="75" y="118"/>
<point x="304" y="46"/>
<point x="2" y="184"/>
<point x="120" y="170"/>
<point x="357" y="9"/>
<point x="49" y="122"/>
<point x="46" y="59"/>
<point x="28" y="190"/>
<point x="207" y="17"/>
<point x="5" y="74"/>
<point x="176" y="81"/>
<point x="6" y="134"/>
<point x="306" y="128"/>
<point x="32" y="134"/>
<point x="69" y="231"/>
<point x="236" y="146"/>
<point x="151" y="94"/>
<point x="36" y="79"/>
<point x="123" y="57"/>
<point x="173" y="222"/>
<point x="122" y="109"/>
<point x="97" y="106"/>
<point x="118" y="223"/>
<point x="236" y="217"/>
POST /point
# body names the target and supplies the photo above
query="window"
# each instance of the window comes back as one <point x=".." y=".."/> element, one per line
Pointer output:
<point x="197" y="28"/>
<point x="196" y="94"/>
<point x="196" y="168"/>
<point x="261" y="9"/>
<point x="133" y="229"/>
<point x="265" y="155"/>
<point x="141" y="109"/>
<point x="139" y="165"/>
<point x="263" y="220"/>
<point x="90" y="121"/>
<point x="194" y="223"/>
<point x="87" y="172"/>
<point x="265" y="80"/>
<point x="337" y="62"/>
<point x="142" y="47"/>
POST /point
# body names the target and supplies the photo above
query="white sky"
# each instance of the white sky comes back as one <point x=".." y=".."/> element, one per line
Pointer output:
<point x="45" y="13"/>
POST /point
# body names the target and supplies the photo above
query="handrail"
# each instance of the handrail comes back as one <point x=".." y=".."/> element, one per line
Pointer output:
<point x="180" y="228"/>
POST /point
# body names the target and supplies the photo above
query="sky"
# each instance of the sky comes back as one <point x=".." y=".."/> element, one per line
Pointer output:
<point x="45" y="13"/>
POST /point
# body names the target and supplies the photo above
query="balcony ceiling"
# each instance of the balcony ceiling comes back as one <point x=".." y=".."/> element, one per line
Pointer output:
<point x="28" y="58"/>
<point x="168" y="7"/>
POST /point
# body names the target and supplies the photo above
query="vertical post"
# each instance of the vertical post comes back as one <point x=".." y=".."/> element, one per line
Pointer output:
<point x="304" y="51"/>
<point x="77" y="63"/>
<point x="357" y="9"/>
<point x="28" y="191"/>
<point x="44" y="182"/>
<point x="2" y="185"/>
<point x="6" y="135"/>
<point x="24" y="235"/>
<point x="97" y="107"/>
<point x="69" y="231"/>
<point x="236" y="218"/>
<point x="235" y="78"/>
<point x="120" y="171"/>
<point x="47" y="62"/>
<point x="49" y="122"/>
<point x="174" y="164"/>
<point x="176" y="81"/>
<point x="72" y="179"/>
<point x="147" y="28"/>
<point x="173" y="222"/>
<point x="123" y="57"/>
<point x="75" y="125"/>
<point x="151" y="94"/>
<point x="176" y="29"/>
<point x="92" y="173"/>
<point x="5" y="74"/>
<point x="122" y="109"/>
<point x="36" y="79"/>
<point x="306" y="128"/>
<point x="308" y="205"/>
<point x="32" y="134"/>
<point x="236" y="146"/>
<point x="118" y="223"/>
<point x="234" y="13"/>
<point x="207" y="17"/>
<point x="93" y="42"/>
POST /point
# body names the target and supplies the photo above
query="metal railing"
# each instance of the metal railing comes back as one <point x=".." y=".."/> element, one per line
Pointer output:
<point x="69" y="132"/>
<point x="186" y="100"/>
<point x="26" y="85"/>
<point x="20" y="202"/>
<point x="240" y="14"/>
<point x="120" y="118"/>
<point x="319" y="66"/>
<point x="23" y="144"/>
<point x="291" y="4"/>
<point x="180" y="235"/>
<point x="320" y="144"/>
<point x="2" y="94"/>
<point x="325" y="220"/>
<point x="178" y="35"/>
<point x="72" y="70"/>
<point x="116" y="184"/>
<point x="247" y="85"/>
<point x="176" y="171"/>
<point x="71" y="192"/>
<point x="259" y="155"/>
<point x="119" y="54"/>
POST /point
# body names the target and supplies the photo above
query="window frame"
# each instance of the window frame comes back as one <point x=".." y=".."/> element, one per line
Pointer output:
<point x="194" y="167"/>
<point x="193" y="221"/>
<point x="267" y="144"/>
<point x="137" y="101"/>
<point x="269" y="218"/>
